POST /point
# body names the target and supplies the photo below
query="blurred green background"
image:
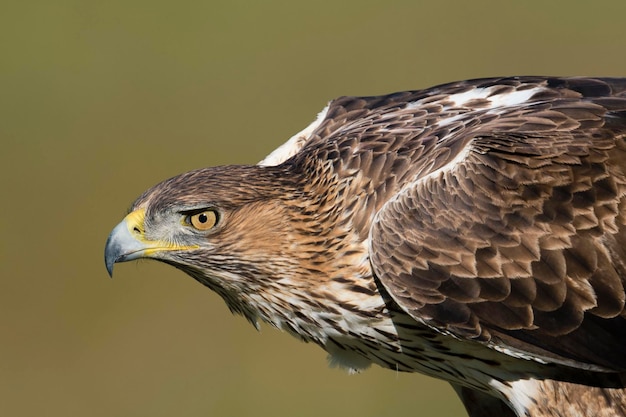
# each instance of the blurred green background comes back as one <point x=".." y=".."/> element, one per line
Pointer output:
<point x="100" y="100"/>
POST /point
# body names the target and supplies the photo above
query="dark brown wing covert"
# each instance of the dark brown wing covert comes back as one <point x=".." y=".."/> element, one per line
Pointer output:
<point x="519" y="240"/>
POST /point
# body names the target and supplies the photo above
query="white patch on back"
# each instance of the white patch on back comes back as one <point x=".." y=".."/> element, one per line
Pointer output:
<point x="509" y="99"/>
<point x="513" y="99"/>
<point x="295" y="143"/>
<point x="460" y="100"/>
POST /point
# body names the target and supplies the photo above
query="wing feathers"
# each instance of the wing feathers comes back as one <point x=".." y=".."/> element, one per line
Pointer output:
<point x="512" y="224"/>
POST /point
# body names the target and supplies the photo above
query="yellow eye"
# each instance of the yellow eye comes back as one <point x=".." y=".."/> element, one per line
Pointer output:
<point x="203" y="220"/>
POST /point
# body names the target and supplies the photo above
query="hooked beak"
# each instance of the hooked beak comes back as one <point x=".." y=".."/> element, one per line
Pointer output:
<point x="126" y="242"/>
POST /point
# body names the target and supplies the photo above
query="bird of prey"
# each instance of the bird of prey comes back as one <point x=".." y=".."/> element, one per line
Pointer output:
<point x="474" y="232"/>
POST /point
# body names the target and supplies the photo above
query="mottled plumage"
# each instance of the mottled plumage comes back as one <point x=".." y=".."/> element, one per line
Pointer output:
<point x="474" y="232"/>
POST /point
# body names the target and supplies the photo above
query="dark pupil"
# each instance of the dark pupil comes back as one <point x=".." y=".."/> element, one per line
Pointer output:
<point x="203" y="218"/>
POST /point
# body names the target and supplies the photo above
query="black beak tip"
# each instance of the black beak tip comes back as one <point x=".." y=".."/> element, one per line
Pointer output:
<point x="110" y="256"/>
<point x="109" y="268"/>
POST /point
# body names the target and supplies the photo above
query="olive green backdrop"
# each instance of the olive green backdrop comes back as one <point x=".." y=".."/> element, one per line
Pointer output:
<point x="101" y="99"/>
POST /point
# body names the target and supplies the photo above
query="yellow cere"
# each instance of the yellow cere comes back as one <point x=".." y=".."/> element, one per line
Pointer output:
<point x="136" y="227"/>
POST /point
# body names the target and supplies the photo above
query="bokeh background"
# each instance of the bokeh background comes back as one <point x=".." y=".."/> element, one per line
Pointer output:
<point x="101" y="99"/>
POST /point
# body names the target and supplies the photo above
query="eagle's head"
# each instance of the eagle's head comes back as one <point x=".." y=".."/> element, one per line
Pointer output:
<point x="228" y="227"/>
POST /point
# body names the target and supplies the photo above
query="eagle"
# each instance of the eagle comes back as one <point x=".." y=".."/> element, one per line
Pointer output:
<point x="473" y="232"/>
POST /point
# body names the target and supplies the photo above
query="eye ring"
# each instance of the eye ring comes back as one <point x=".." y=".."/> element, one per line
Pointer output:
<point x="204" y="220"/>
